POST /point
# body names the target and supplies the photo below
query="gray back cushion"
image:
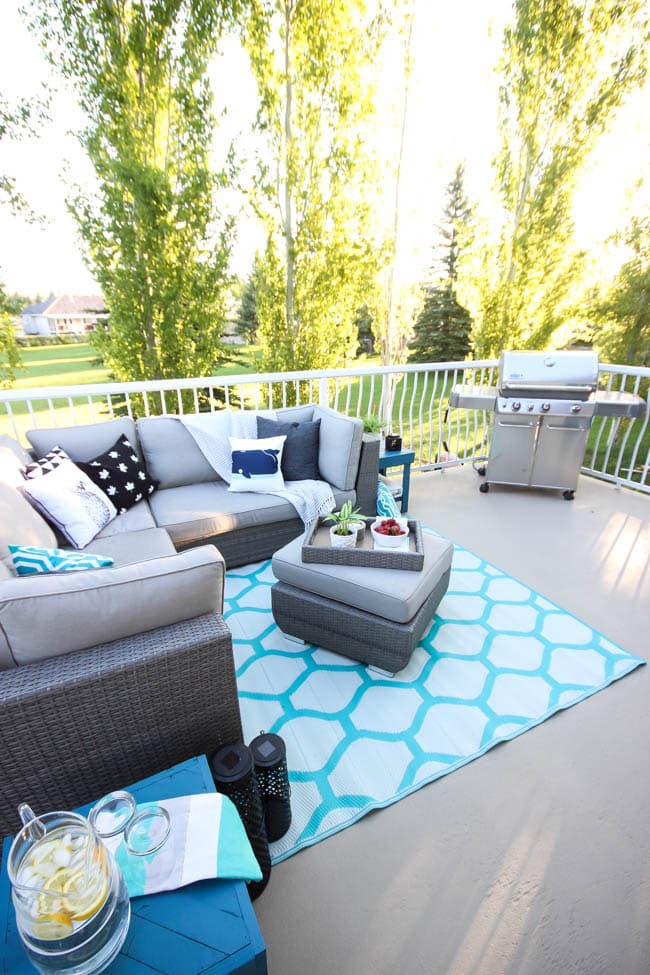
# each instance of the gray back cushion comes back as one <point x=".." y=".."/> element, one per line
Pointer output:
<point x="83" y="443"/>
<point x="20" y="523"/>
<point x="340" y="447"/>
<point x="296" y="414"/>
<point x="171" y="453"/>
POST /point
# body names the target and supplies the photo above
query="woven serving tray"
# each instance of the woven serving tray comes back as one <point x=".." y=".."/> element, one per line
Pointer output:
<point x="317" y="548"/>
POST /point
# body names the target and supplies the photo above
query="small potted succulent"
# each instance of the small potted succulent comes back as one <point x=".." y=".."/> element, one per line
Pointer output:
<point x="347" y="522"/>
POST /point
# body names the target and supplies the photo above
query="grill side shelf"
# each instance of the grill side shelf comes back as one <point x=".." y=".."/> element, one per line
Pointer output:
<point x="471" y="397"/>
<point x="610" y="403"/>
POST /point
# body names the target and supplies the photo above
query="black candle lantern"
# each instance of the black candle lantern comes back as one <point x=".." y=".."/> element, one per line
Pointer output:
<point x="234" y="776"/>
<point x="270" y="759"/>
<point x="393" y="442"/>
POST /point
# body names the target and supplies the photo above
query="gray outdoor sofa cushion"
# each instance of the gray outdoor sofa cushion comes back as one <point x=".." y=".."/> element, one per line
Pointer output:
<point x="392" y="594"/>
<point x="198" y="511"/>
<point x="174" y="459"/>
<point x="171" y="453"/>
<point x="20" y="523"/>
<point x="44" y="616"/>
<point x="83" y="442"/>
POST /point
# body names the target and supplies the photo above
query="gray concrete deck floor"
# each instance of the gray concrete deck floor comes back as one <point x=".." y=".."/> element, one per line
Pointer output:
<point x="534" y="859"/>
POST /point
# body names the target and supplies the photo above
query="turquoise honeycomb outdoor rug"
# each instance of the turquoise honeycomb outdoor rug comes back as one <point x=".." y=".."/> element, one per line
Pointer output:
<point x="497" y="660"/>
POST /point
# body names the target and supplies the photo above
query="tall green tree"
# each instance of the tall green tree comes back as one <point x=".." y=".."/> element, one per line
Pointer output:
<point x="622" y="313"/>
<point x="313" y="63"/>
<point x="442" y="330"/>
<point x="567" y="66"/>
<point x="15" y="121"/>
<point x="152" y="232"/>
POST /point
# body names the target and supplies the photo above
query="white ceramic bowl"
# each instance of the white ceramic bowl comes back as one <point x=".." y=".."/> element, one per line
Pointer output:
<point x="390" y="541"/>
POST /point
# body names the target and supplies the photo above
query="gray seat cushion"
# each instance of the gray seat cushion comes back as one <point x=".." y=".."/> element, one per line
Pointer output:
<point x="199" y="511"/>
<point x="389" y="593"/>
<point x="136" y="519"/>
<point x="47" y="615"/>
<point x="134" y="546"/>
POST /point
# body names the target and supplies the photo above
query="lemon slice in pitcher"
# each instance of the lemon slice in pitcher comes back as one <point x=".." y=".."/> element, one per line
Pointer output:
<point x="51" y="927"/>
<point x="80" y="902"/>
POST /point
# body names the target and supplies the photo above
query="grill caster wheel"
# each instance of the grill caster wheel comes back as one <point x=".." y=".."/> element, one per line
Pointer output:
<point x="568" y="495"/>
<point x="484" y="488"/>
<point x="481" y="471"/>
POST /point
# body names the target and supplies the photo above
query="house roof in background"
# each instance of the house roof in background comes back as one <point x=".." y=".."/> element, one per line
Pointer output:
<point x="37" y="308"/>
<point x="67" y="305"/>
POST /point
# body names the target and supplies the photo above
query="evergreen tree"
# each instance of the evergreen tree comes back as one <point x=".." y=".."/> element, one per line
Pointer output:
<point x="442" y="329"/>
<point x="247" y="320"/>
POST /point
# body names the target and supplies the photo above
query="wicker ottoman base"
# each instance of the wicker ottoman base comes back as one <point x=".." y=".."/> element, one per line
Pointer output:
<point x="353" y="632"/>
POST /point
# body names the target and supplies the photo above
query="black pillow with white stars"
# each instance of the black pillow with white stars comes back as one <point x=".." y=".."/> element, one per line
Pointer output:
<point x="121" y="475"/>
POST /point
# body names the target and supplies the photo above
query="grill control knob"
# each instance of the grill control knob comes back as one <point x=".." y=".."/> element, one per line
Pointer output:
<point x="530" y="407"/>
<point x="576" y="408"/>
<point x="546" y="407"/>
<point x="516" y="406"/>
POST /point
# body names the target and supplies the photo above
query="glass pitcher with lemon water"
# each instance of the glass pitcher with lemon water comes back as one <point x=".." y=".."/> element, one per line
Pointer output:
<point x="72" y="905"/>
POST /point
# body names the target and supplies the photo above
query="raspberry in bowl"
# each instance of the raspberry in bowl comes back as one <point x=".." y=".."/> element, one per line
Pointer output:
<point x="389" y="532"/>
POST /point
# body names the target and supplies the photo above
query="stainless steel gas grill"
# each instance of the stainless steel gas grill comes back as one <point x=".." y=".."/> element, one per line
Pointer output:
<point x="543" y="408"/>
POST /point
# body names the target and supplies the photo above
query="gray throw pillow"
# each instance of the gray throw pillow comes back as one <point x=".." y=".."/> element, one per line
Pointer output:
<point x="300" y="454"/>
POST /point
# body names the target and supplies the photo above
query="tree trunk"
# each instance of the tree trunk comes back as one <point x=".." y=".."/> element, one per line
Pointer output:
<point x="288" y="211"/>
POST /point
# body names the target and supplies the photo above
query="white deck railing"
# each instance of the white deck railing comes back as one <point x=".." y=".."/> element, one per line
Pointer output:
<point x="618" y="450"/>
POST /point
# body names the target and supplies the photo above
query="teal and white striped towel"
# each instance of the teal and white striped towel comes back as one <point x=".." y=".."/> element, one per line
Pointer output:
<point x="206" y="839"/>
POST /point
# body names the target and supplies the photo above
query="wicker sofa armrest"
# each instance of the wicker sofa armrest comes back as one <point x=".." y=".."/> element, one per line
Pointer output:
<point x="368" y="475"/>
<point x="77" y="726"/>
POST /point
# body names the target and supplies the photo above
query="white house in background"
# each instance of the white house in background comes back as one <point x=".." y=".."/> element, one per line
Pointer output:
<point x="65" y="315"/>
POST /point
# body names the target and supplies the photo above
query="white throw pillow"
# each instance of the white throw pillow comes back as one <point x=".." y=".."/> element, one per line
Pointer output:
<point x="70" y="500"/>
<point x="256" y="464"/>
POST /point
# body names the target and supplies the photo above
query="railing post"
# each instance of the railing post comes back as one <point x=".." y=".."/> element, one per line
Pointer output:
<point x="323" y="398"/>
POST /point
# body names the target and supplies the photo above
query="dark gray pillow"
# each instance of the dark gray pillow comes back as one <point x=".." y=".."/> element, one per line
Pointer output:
<point x="300" y="454"/>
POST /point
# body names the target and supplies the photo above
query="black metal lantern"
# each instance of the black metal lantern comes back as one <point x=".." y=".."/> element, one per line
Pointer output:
<point x="270" y="760"/>
<point x="393" y="442"/>
<point x="234" y="776"/>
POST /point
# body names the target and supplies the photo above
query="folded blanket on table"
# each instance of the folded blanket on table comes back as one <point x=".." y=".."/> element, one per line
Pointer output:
<point x="206" y="839"/>
<point x="311" y="499"/>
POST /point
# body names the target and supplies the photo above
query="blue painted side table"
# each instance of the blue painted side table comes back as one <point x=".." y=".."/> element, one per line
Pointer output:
<point x="403" y="459"/>
<point x="208" y="927"/>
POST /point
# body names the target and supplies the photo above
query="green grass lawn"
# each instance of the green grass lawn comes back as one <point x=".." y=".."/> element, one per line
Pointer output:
<point x="60" y="365"/>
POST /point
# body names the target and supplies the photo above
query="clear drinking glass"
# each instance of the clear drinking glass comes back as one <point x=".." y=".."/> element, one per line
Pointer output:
<point x="72" y="905"/>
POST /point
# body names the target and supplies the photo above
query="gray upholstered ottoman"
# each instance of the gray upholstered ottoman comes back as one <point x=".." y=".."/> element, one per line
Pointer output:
<point x="376" y="616"/>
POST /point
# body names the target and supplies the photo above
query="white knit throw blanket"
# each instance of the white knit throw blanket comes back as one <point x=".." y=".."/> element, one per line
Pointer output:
<point x="311" y="499"/>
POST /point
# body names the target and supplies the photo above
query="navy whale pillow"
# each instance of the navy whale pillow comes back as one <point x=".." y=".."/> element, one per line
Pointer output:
<point x="300" y="454"/>
<point x="256" y="465"/>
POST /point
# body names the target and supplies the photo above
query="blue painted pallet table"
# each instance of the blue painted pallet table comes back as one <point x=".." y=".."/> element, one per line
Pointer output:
<point x="207" y="927"/>
<point x="403" y="459"/>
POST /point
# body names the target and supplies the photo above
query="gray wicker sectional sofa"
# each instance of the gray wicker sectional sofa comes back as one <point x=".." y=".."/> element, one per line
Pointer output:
<point x="108" y="675"/>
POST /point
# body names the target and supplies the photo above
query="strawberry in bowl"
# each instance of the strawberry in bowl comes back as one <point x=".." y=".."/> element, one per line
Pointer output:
<point x="389" y="532"/>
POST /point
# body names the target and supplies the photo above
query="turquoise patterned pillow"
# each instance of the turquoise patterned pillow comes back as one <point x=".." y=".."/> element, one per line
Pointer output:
<point x="386" y="504"/>
<point x="29" y="560"/>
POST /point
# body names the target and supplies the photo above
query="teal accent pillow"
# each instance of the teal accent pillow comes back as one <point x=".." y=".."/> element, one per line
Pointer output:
<point x="386" y="504"/>
<point x="29" y="560"/>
